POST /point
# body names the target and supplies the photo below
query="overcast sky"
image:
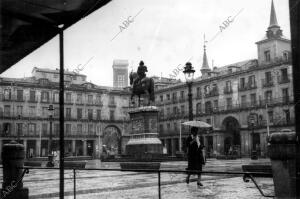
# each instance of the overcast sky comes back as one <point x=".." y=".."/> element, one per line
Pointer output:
<point x="164" y="34"/>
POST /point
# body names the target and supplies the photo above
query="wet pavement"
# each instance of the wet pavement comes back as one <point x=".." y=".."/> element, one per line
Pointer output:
<point x="116" y="184"/>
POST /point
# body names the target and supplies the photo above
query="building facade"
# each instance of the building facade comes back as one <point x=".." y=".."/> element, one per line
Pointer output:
<point x="120" y="73"/>
<point x="244" y="101"/>
<point x="95" y="117"/>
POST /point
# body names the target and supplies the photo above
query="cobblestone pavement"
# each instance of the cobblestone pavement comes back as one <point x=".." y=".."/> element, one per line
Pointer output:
<point x="115" y="184"/>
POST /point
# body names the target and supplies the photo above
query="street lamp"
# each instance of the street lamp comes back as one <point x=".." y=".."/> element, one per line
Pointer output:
<point x="18" y="127"/>
<point x="253" y="151"/>
<point x="50" y="156"/>
<point x="189" y="77"/>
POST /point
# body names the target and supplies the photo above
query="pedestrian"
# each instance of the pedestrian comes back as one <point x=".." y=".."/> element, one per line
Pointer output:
<point x="195" y="156"/>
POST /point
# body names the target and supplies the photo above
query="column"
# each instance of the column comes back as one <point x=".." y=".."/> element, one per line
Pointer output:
<point x="25" y="147"/>
<point x="84" y="147"/>
<point x="38" y="147"/>
<point x="173" y="146"/>
<point x="73" y="147"/>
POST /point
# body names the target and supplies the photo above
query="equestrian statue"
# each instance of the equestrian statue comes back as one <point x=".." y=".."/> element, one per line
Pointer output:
<point x="141" y="85"/>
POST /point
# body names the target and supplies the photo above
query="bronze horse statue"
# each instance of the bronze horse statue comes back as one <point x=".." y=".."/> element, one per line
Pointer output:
<point x="142" y="84"/>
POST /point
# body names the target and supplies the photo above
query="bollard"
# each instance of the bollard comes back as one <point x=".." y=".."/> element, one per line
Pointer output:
<point x="13" y="155"/>
<point x="282" y="152"/>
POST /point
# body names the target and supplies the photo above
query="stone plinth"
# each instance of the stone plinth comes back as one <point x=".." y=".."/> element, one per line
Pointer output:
<point x="282" y="152"/>
<point x="144" y="144"/>
<point x="13" y="155"/>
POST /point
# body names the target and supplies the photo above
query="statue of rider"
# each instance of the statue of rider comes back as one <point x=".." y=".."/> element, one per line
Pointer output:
<point x="141" y="71"/>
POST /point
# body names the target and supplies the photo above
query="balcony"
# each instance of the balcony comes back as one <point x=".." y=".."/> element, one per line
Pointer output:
<point x="112" y="104"/>
<point x="45" y="101"/>
<point x="282" y="79"/>
<point x="248" y="86"/>
<point x="228" y="90"/>
<point x="182" y="99"/>
<point x="267" y="83"/>
<point x="212" y="93"/>
<point x="174" y="100"/>
<point x="20" y="99"/>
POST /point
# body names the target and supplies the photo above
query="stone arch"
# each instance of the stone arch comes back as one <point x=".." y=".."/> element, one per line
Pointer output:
<point x="112" y="139"/>
<point x="232" y="136"/>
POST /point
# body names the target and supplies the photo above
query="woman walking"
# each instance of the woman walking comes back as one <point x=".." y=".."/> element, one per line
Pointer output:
<point x="195" y="156"/>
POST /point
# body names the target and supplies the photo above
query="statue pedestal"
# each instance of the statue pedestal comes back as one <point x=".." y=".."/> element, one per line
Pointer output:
<point x="144" y="144"/>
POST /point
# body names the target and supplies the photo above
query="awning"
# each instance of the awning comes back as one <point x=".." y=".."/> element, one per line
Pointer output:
<point x="28" y="24"/>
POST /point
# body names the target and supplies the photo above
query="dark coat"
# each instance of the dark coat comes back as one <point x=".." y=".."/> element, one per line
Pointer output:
<point x="195" y="156"/>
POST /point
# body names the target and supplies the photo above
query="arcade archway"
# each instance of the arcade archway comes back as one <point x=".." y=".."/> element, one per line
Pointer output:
<point x="232" y="137"/>
<point x="112" y="140"/>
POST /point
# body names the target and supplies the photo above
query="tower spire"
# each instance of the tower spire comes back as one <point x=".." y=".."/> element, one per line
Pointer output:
<point x="205" y="67"/>
<point x="273" y="18"/>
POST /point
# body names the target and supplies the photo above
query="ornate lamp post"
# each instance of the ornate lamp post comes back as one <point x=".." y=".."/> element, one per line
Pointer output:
<point x="189" y="77"/>
<point x="50" y="155"/>
<point x="18" y="130"/>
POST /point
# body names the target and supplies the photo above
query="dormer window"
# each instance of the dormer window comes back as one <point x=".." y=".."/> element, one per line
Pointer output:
<point x="267" y="56"/>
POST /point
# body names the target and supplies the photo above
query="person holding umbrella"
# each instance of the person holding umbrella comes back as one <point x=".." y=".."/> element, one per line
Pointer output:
<point x="195" y="156"/>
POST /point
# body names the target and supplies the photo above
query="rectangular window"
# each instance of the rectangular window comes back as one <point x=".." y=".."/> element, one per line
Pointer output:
<point x="268" y="96"/>
<point x="267" y="56"/>
<point x="229" y="103"/>
<point x="168" y="111"/>
<point x="98" y="99"/>
<point x="228" y="86"/>
<point x="182" y="110"/>
<point x="98" y="114"/>
<point x="168" y="96"/>
<point x="20" y="95"/>
<point x="161" y="128"/>
<point x="161" y="98"/>
<point x="79" y="98"/>
<point x="268" y="76"/>
<point x="68" y="129"/>
<point x="68" y="113"/>
<point x="253" y="99"/>
<point x="175" y="126"/>
<point x="251" y="81"/>
<point x="90" y="129"/>
<point x="198" y="108"/>
<point x="198" y="91"/>
<point x="56" y="112"/>
<point x="7" y="111"/>
<point x="79" y="129"/>
<point x="244" y="100"/>
<point x="112" y="115"/>
<point x="90" y="99"/>
<point x="287" y="116"/>
<point x="56" y="97"/>
<point x="112" y="100"/>
<point x="174" y="96"/>
<point x="216" y="104"/>
<point x="270" y="114"/>
<point x="168" y="126"/>
<point x="20" y="110"/>
<point x="242" y="83"/>
<point x="31" y="111"/>
<point x="90" y="114"/>
<point x="182" y="94"/>
<point x="31" y="129"/>
<point x="79" y="113"/>
<point x="7" y="94"/>
<point x="32" y="96"/>
<point x="20" y="129"/>
<point x="56" y="129"/>
<point x="68" y="97"/>
<point x="45" y="96"/>
<point x="44" y="129"/>
<point x="175" y="110"/>
<point x="45" y="112"/>
<point x="285" y="95"/>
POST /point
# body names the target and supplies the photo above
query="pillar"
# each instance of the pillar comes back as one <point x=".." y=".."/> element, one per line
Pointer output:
<point x="25" y="147"/>
<point x="84" y="148"/>
<point x="173" y="146"/>
<point x="38" y="147"/>
<point x="73" y="147"/>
